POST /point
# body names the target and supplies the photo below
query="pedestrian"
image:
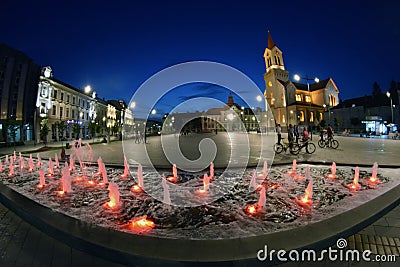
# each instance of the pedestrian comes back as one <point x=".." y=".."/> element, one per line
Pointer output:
<point x="329" y="131"/>
<point x="290" y="136"/>
<point x="305" y="136"/>
<point x="279" y="133"/>
<point x="296" y="133"/>
<point x="321" y="133"/>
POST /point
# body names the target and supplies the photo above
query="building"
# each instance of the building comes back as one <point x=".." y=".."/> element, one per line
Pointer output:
<point x="69" y="112"/>
<point x="292" y="102"/>
<point x="19" y="77"/>
<point x="366" y="114"/>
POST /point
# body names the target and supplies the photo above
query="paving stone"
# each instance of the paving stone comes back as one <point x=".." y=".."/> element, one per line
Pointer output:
<point x="364" y="239"/>
<point x="378" y="240"/>
<point x="79" y="258"/>
<point x="397" y="241"/>
<point x="351" y="238"/>
<point x="394" y="251"/>
<point x="388" y="251"/>
<point x="381" y="222"/>
<point x="385" y="241"/>
<point x="352" y="245"/>
<point x="357" y="238"/>
<point x="381" y="249"/>
<point x="373" y="248"/>
<point x="61" y="255"/>
<point x="387" y="231"/>
<point x="393" y="222"/>
<point x="391" y="241"/>
<point x="371" y="239"/>
<point x="28" y="250"/>
<point x="359" y="246"/>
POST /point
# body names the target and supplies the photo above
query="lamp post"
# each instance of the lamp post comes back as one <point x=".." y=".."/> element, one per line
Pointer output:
<point x="391" y="106"/>
<point x="298" y="78"/>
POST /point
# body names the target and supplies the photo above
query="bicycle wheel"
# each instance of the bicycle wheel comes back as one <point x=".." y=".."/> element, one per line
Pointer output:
<point x="334" y="144"/>
<point x="295" y="149"/>
<point x="321" y="143"/>
<point x="310" y="148"/>
<point x="278" y="148"/>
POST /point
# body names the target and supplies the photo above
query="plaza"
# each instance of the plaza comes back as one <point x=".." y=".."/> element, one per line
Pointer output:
<point x="381" y="233"/>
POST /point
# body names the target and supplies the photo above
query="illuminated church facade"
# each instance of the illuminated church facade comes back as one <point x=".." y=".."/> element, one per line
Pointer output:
<point x="291" y="102"/>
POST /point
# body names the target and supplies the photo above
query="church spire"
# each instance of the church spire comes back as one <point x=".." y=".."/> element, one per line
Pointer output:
<point x="271" y="43"/>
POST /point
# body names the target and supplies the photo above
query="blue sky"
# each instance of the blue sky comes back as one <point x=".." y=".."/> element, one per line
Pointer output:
<point x="116" y="46"/>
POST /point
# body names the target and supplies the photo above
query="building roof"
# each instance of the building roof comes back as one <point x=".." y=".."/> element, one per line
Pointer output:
<point x="313" y="86"/>
<point x="118" y="104"/>
<point x="271" y="43"/>
<point x="364" y="101"/>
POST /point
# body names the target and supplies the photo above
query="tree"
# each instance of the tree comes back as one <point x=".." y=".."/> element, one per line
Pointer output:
<point x="92" y="129"/>
<point x="61" y="126"/>
<point x="393" y="92"/>
<point x="44" y="131"/>
<point x="376" y="90"/>
<point x="12" y="126"/>
<point x="76" y="129"/>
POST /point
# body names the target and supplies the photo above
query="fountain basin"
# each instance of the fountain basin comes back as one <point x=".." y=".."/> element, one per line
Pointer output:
<point x="129" y="248"/>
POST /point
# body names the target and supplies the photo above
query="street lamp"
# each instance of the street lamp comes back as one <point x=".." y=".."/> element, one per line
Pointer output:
<point x="88" y="89"/>
<point x="298" y="78"/>
<point x="391" y="105"/>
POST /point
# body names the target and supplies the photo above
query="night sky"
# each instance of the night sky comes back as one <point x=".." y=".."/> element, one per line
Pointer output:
<point x="117" y="45"/>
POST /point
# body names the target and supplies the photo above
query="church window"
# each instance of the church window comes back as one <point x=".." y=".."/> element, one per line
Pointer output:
<point x="311" y="116"/>
<point x="283" y="118"/>
<point x="298" y="97"/>
<point x="321" y="116"/>
<point x="270" y="84"/>
<point x="272" y="98"/>
<point x="308" y="98"/>
<point x="301" y="116"/>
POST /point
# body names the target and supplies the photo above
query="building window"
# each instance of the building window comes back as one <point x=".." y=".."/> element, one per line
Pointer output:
<point x="283" y="119"/>
<point x="61" y="112"/>
<point x="73" y="113"/>
<point x="301" y="116"/>
<point x="308" y="98"/>
<point x="298" y="97"/>
<point x="67" y="98"/>
<point x="62" y="96"/>
<point x="272" y="98"/>
<point x="73" y="101"/>
<point x="55" y="94"/>
<point x="53" y="112"/>
<point x="321" y="116"/>
<point x="67" y="112"/>
<point x="311" y="116"/>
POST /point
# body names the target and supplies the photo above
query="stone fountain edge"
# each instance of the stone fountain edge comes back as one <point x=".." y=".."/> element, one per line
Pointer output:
<point x="147" y="250"/>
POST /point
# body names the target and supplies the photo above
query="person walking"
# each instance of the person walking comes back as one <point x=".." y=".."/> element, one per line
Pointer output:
<point x="279" y="133"/>
<point x="296" y="133"/>
<point x="290" y="136"/>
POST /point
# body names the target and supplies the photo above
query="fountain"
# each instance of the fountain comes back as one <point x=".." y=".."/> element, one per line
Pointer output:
<point x="212" y="170"/>
<point x="15" y="155"/>
<point x="104" y="174"/>
<point x="11" y="167"/>
<point x="174" y="177"/>
<point x="56" y="161"/>
<point x="262" y="200"/>
<point x="113" y="194"/>
<point x="332" y="175"/>
<point x="65" y="181"/>
<point x="126" y="169"/>
<point x="140" y="176"/>
<point x="264" y="171"/>
<point x="41" y="179"/>
<point x="206" y="184"/>
<point x="355" y="185"/>
<point x="305" y="201"/>
<point x="71" y="163"/>
<point x="293" y="170"/>
<point x="99" y="165"/>
<point x="166" y="199"/>
<point x="374" y="177"/>
<point x="21" y="163"/>
<point x="1" y="166"/>
<point x="253" y="183"/>
<point x="39" y="160"/>
<point x="141" y="225"/>
<point x="6" y="161"/>
<point x="51" y="169"/>
<point x="30" y="163"/>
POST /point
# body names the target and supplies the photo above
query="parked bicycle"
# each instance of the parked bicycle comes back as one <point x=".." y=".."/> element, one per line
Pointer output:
<point x="310" y="147"/>
<point x="279" y="147"/>
<point x="328" y="142"/>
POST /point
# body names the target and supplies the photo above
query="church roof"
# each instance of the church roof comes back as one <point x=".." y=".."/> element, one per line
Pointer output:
<point x="271" y="43"/>
<point x="313" y="86"/>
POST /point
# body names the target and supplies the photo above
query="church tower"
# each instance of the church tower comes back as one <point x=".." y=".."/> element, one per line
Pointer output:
<point x="275" y="78"/>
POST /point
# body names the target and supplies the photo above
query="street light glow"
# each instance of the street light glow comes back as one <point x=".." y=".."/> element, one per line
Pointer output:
<point x="296" y="77"/>
<point x="133" y="104"/>
<point x="154" y="112"/>
<point x="88" y="88"/>
<point x="387" y="94"/>
<point x="316" y="79"/>
<point x="259" y="98"/>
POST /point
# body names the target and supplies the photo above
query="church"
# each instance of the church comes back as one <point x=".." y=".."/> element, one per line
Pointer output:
<point x="292" y="102"/>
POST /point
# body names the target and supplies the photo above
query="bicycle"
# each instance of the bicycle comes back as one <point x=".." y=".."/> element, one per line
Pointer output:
<point x="328" y="142"/>
<point x="310" y="147"/>
<point x="279" y="147"/>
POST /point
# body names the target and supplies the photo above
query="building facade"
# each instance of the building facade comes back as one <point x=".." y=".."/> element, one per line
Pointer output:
<point x="19" y="77"/>
<point x="292" y="102"/>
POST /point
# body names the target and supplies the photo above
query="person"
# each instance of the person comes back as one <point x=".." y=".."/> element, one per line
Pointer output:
<point x="63" y="155"/>
<point x="321" y="133"/>
<point x="296" y="133"/>
<point x="290" y="136"/>
<point x="305" y="136"/>
<point x="279" y="133"/>
<point x="329" y="131"/>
